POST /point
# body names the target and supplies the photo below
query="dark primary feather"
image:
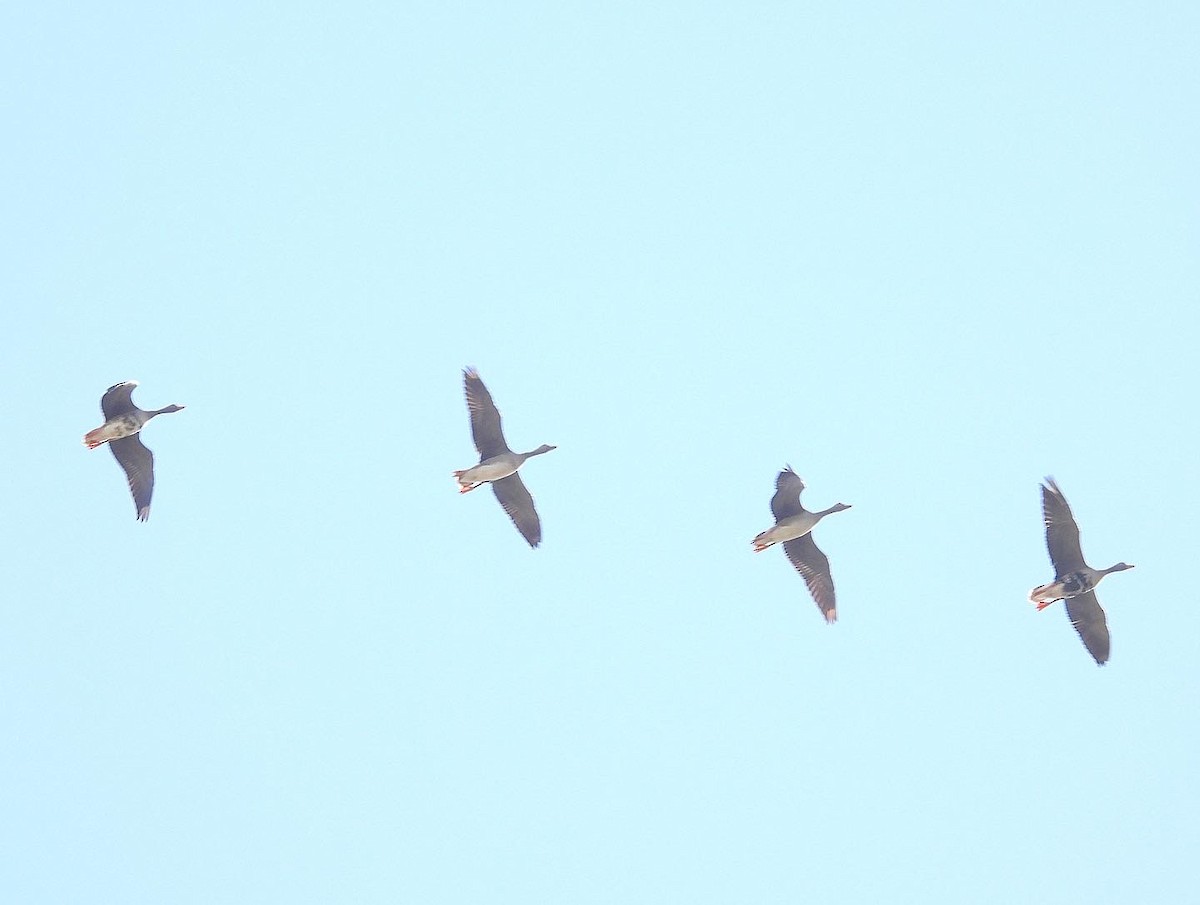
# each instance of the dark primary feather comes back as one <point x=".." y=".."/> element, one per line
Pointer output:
<point x="116" y="400"/>
<point x="1062" y="534"/>
<point x="786" y="500"/>
<point x="138" y="463"/>
<point x="813" y="565"/>
<point x="518" y="503"/>
<point x="1087" y="616"/>
<point x="485" y="418"/>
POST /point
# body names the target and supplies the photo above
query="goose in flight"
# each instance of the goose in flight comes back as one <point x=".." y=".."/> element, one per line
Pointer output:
<point x="793" y="528"/>
<point x="123" y="421"/>
<point x="497" y="463"/>
<point x="1074" y="580"/>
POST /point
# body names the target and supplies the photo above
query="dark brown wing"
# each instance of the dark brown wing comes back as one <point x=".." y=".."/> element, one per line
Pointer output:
<point x="485" y="419"/>
<point x="518" y="504"/>
<point x="116" y="400"/>
<point x="1088" y="618"/>
<point x="1062" y="534"/>
<point x="813" y="565"/>
<point x="786" y="500"/>
<point x="138" y="463"/>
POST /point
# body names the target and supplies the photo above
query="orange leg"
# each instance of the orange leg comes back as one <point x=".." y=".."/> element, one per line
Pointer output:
<point x="463" y="487"/>
<point x="1045" y="603"/>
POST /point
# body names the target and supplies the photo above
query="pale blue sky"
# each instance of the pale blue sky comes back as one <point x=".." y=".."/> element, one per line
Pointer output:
<point x="926" y="253"/>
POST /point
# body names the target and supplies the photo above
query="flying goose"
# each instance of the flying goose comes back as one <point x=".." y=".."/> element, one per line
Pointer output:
<point x="1074" y="580"/>
<point x="122" y="422"/>
<point x="793" y="528"/>
<point x="497" y="463"/>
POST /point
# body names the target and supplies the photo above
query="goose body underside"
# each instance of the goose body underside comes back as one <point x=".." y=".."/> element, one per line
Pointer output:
<point x="113" y="429"/>
<point x="788" y="529"/>
<point x="1074" y="584"/>
<point x="488" y="470"/>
